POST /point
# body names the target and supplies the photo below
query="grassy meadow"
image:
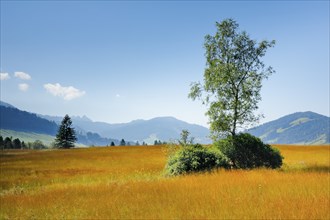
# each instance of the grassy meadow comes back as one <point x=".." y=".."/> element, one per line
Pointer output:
<point x="129" y="183"/>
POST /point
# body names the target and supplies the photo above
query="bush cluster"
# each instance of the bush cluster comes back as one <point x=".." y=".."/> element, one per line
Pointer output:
<point x="242" y="151"/>
<point x="194" y="158"/>
<point x="245" y="151"/>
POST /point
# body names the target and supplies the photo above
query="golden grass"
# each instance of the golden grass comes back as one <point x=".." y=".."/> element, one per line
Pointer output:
<point x="128" y="183"/>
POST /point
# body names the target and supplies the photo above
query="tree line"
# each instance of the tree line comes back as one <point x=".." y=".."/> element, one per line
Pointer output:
<point x="137" y="143"/>
<point x="10" y="143"/>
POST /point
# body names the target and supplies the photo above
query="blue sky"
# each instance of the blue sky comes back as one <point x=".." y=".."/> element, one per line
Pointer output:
<point x="120" y="61"/>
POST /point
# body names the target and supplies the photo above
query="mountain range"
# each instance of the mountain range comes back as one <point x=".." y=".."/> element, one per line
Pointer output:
<point x="101" y="133"/>
<point x="296" y="128"/>
<point x="160" y="128"/>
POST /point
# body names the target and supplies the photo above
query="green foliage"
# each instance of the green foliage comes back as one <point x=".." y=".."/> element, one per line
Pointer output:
<point x="184" y="138"/>
<point x="246" y="151"/>
<point x="232" y="78"/>
<point x="194" y="158"/>
<point x="66" y="135"/>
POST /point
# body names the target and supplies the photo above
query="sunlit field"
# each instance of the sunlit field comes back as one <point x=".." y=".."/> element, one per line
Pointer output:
<point x="129" y="183"/>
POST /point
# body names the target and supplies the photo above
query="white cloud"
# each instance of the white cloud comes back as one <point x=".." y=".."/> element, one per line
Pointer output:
<point x="23" y="87"/>
<point x="22" y="75"/>
<point x="68" y="93"/>
<point x="117" y="95"/>
<point x="4" y="76"/>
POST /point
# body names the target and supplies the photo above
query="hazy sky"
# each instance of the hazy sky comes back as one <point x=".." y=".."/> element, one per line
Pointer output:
<point x="120" y="61"/>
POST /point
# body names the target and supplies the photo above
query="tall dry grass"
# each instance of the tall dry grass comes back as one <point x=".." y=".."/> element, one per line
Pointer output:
<point x="128" y="183"/>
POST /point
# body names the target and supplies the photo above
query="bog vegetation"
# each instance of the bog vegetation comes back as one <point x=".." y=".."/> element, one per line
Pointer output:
<point x="129" y="183"/>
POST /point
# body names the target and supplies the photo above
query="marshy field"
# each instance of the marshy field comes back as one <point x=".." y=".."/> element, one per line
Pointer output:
<point x="129" y="183"/>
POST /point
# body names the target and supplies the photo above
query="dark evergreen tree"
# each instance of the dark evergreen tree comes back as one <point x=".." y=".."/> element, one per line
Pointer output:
<point x="17" y="144"/>
<point x="8" y="144"/>
<point x="2" y="143"/>
<point x="66" y="135"/>
<point x="112" y="144"/>
<point x="122" y="142"/>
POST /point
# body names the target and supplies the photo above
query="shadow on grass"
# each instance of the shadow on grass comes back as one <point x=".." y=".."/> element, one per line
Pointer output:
<point x="308" y="169"/>
<point x="7" y="155"/>
<point x="317" y="168"/>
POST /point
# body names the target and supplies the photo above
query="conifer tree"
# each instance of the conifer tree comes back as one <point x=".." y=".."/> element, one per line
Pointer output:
<point x="2" y="143"/>
<point x="122" y="142"/>
<point x="66" y="135"/>
<point x="17" y="143"/>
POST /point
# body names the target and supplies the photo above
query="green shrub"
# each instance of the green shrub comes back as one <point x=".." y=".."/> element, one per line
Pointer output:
<point x="246" y="151"/>
<point x="195" y="158"/>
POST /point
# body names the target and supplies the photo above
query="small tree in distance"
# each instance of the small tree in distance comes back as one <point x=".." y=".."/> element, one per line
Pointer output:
<point x="122" y="142"/>
<point x="2" y="143"/>
<point x="17" y="143"/>
<point x="184" y="138"/>
<point x="66" y="135"/>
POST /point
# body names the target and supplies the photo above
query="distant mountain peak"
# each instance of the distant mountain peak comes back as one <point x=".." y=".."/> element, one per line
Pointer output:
<point x="137" y="121"/>
<point x="82" y="118"/>
<point x="165" y="118"/>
